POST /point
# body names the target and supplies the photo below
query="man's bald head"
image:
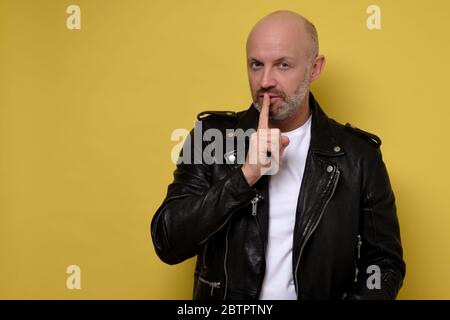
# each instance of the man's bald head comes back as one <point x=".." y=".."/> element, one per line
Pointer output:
<point x="296" y="28"/>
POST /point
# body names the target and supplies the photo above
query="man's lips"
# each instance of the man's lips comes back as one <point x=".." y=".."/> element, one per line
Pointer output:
<point x="270" y="96"/>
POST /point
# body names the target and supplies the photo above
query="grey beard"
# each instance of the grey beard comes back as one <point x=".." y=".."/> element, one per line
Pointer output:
<point x="291" y="104"/>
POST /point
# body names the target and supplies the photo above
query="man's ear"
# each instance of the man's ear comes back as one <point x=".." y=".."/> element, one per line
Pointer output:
<point x="317" y="67"/>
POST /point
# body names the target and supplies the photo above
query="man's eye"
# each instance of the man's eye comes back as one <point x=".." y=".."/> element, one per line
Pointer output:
<point x="255" y="65"/>
<point x="284" y="65"/>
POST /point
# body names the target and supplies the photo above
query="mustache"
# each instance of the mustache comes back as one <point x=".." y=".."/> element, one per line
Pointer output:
<point x="261" y="92"/>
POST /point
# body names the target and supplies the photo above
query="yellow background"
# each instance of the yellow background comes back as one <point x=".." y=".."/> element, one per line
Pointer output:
<point x="86" y="117"/>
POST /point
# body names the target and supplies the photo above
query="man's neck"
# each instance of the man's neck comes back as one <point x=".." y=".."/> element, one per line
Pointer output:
<point x="296" y="120"/>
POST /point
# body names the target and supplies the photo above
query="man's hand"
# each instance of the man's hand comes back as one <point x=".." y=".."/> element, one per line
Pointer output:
<point x="266" y="147"/>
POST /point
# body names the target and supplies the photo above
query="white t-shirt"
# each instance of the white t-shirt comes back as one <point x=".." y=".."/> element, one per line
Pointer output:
<point x="284" y="188"/>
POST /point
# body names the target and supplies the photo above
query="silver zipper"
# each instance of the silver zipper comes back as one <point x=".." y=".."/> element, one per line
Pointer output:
<point x="204" y="255"/>
<point x="359" y="245"/>
<point x="214" y="285"/>
<point x="255" y="204"/>
<point x="254" y="212"/>
<point x="314" y="229"/>
<point x="225" y="262"/>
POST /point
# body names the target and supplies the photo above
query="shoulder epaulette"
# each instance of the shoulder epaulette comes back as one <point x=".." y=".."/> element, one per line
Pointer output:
<point x="217" y="114"/>
<point x="364" y="134"/>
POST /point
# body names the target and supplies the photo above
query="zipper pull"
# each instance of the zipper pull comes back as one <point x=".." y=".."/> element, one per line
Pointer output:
<point x="213" y="286"/>
<point x="255" y="204"/>
<point x="359" y="246"/>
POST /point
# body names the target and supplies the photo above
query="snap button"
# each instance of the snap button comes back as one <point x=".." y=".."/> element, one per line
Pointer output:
<point x="337" y="149"/>
<point x="230" y="134"/>
<point x="330" y="168"/>
<point x="231" y="157"/>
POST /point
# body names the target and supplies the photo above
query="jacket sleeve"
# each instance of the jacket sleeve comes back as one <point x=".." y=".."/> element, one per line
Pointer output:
<point x="381" y="248"/>
<point x="194" y="207"/>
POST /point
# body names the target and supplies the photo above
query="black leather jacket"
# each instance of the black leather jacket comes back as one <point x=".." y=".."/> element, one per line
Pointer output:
<point x="346" y="218"/>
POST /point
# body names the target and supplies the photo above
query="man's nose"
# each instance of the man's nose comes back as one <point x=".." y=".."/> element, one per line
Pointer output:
<point x="268" y="81"/>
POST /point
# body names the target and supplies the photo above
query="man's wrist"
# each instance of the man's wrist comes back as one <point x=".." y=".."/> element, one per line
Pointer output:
<point x="249" y="177"/>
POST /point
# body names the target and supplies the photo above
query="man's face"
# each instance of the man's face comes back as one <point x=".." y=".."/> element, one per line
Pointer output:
<point x="278" y="63"/>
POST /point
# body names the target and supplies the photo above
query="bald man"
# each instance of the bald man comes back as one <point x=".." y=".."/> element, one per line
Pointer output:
<point x="305" y="211"/>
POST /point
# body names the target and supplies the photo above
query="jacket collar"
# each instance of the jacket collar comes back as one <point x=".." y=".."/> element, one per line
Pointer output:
<point x="324" y="136"/>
